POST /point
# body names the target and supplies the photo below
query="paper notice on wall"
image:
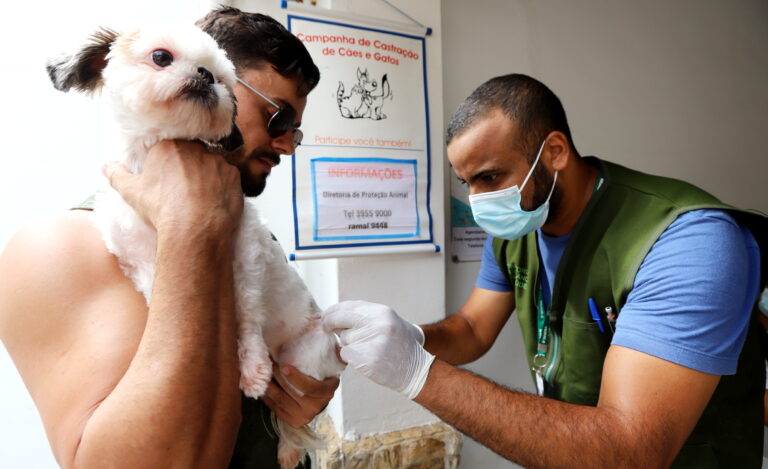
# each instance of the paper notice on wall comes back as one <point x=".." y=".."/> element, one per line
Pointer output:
<point x="468" y="243"/>
<point x="468" y="239"/>
<point x="364" y="198"/>
<point x="362" y="174"/>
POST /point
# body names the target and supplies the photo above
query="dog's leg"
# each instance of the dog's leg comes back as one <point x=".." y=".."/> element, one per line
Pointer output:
<point x="255" y="364"/>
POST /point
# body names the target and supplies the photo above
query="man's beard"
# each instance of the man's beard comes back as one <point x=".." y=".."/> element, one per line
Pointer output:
<point x="542" y="184"/>
<point x="251" y="184"/>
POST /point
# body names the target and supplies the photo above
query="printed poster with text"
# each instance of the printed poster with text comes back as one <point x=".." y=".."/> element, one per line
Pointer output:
<point x="362" y="173"/>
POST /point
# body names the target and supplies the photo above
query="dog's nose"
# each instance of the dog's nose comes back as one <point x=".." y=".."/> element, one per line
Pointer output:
<point x="207" y="76"/>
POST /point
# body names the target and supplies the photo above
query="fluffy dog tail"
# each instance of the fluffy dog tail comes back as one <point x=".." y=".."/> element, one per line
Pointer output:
<point x="386" y="92"/>
<point x="345" y="112"/>
<point x="294" y="442"/>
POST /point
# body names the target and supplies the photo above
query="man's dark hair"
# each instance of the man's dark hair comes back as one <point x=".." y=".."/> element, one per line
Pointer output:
<point x="253" y="40"/>
<point x="526" y="101"/>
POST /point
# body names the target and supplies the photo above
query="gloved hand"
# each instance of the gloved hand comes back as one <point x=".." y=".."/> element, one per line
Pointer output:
<point x="381" y="345"/>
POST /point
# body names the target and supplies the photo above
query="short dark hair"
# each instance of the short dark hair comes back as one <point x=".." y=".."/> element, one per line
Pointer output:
<point x="525" y="100"/>
<point x="251" y="40"/>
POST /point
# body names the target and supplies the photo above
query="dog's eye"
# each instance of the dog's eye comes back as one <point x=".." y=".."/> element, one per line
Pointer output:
<point x="162" y="57"/>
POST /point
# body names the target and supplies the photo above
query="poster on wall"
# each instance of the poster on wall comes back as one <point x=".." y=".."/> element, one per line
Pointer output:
<point x="467" y="238"/>
<point x="361" y="176"/>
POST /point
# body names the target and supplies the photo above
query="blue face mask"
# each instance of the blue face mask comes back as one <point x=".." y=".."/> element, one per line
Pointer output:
<point x="499" y="212"/>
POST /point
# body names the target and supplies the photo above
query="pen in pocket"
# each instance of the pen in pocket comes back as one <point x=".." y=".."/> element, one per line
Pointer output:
<point x="595" y="314"/>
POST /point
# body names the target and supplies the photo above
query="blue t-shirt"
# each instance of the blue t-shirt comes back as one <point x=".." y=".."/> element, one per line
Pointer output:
<point x="692" y="296"/>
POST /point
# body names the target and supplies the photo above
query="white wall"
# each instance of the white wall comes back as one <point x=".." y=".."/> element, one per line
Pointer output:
<point x="673" y="88"/>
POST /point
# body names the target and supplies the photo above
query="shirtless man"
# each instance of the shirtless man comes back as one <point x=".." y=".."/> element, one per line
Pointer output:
<point x="122" y="384"/>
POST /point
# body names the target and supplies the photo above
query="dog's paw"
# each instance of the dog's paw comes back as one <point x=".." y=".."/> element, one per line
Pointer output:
<point x="254" y="378"/>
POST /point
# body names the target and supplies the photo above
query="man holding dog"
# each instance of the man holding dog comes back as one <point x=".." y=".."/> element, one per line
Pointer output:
<point x="117" y="382"/>
<point x="635" y="294"/>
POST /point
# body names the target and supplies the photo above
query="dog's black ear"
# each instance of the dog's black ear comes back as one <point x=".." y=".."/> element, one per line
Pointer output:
<point x="228" y="144"/>
<point x="233" y="141"/>
<point x="82" y="70"/>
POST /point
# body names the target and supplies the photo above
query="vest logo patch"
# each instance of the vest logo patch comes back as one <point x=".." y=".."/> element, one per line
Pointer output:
<point x="519" y="276"/>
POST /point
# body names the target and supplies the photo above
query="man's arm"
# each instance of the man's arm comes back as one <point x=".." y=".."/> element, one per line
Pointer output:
<point x="117" y="384"/>
<point x="469" y="334"/>
<point x="647" y="406"/>
<point x="646" y="411"/>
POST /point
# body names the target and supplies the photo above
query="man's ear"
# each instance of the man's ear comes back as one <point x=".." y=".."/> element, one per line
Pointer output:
<point x="83" y="69"/>
<point x="558" y="150"/>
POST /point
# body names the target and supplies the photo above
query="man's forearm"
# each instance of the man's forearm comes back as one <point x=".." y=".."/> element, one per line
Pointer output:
<point x="533" y="431"/>
<point x="178" y="404"/>
<point x="453" y="340"/>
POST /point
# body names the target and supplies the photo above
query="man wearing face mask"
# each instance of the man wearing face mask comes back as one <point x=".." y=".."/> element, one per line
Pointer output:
<point x="636" y="296"/>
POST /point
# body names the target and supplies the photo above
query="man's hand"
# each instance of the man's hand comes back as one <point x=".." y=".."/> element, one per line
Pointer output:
<point x="181" y="186"/>
<point x="295" y="397"/>
<point x="381" y="345"/>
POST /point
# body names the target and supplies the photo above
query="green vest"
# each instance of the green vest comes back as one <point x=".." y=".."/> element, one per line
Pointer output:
<point x="621" y="222"/>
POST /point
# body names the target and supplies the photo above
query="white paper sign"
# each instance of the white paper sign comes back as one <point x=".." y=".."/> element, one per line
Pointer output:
<point x="468" y="239"/>
<point x="364" y="198"/>
<point x="468" y="243"/>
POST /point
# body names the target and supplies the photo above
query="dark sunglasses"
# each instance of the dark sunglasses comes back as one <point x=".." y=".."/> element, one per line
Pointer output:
<point x="281" y="121"/>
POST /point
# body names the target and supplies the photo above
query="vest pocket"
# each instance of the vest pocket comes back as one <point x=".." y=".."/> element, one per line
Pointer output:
<point x="581" y="367"/>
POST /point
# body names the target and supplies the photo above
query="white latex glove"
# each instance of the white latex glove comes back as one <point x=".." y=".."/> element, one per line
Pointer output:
<point x="381" y="345"/>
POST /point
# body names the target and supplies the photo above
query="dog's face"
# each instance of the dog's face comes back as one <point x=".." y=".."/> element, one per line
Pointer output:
<point x="169" y="83"/>
<point x="365" y="81"/>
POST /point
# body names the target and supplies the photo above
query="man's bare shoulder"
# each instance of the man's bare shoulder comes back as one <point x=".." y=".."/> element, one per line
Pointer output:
<point x="61" y="233"/>
<point x="68" y="316"/>
<point x="60" y="255"/>
<point x="55" y="271"/>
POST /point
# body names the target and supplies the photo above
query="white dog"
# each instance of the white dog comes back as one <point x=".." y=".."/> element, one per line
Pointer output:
<point x="177" y="84"/>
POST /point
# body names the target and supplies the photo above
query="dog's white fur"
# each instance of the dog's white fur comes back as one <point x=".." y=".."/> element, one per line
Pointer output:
<point x="276" y="314"/>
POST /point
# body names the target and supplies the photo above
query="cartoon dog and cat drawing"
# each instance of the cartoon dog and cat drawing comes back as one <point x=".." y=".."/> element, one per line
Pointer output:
<point x="363" y="102"/>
